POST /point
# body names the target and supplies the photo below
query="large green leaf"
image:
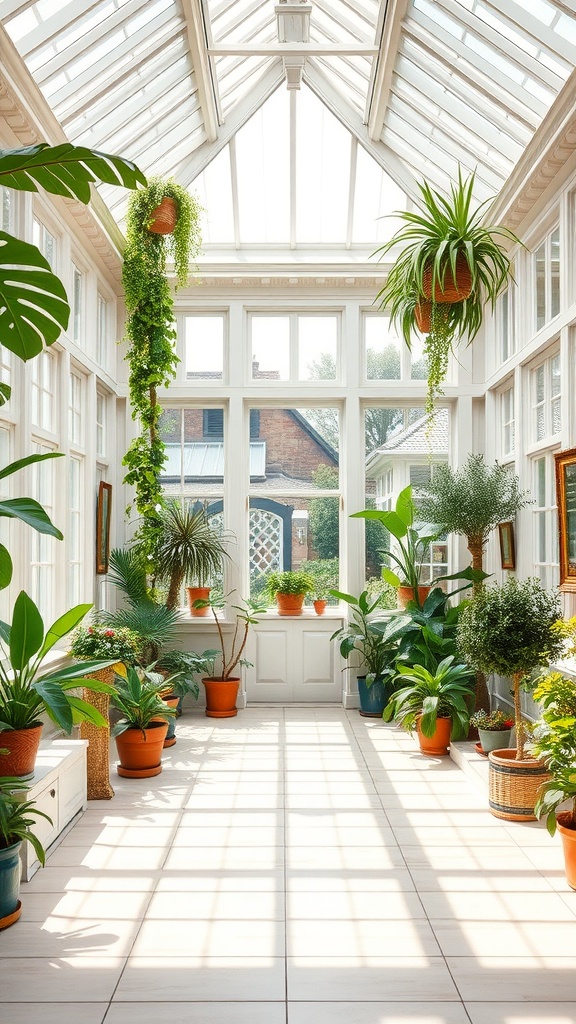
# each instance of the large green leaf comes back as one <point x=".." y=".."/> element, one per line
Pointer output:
<point x="5" y="567"/>
<point x="29" y="460"/>
<point x="30" y="512"/>
<point x="56" y="703"/>
<point x="26" y="633"/>
<point x="34" y="309"/>
<point x="65" y="170"/>
<point x="64" y="625"/>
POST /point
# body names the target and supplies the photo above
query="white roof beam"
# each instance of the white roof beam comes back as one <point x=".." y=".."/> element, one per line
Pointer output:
<point x="61" y="21"/>
<point x="234" y="189"/>
<point x="293" y="163"/>
<point x="392" y="15"/>
<point x="351" y="191"/>
<point x="352" y="120"/>
<point x="343" y="22"/>
<point x="447" y="48"/>
<point x="292" y="50"/>
<point x="510" y="50"/>
<point x="198" y="43"/>
<point x="191" y="167"/>
<point x="539" y="33"/>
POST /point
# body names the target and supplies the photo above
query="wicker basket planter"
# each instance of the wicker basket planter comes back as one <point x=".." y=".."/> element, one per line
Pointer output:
<point x="163" y="218"/>
<point x="455" y="288"/>
<point x="514" y="785"/>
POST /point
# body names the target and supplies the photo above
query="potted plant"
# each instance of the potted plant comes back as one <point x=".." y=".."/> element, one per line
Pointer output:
<point x="324" y="573"/>
<point x="150" y="333"/>
<point x="188" y="549"/>
<point x="16" y="823"/>
<point x="222" y="687"/>
<point x="471" y="501"/>
<point x="27" y="692"/>
<point x="289" y="589"/>
<point x="450" y="259"/>
<point x="511" y="630"/>
<point x="143" y="725"/>
<point x="435" y="703"/>
<point x="494" y="729"/>
<point x="144" y="613"/>
<point x="368" y="637"/>
<point x="178" y="670"/>
<point x="555" y="743"/>
<point x="412" y="543"/>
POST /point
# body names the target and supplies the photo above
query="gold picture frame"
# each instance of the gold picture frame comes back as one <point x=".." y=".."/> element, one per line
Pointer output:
<point x="507" y="545"/>
<point x="565" y="465"/>
<point x="103" y="515"/>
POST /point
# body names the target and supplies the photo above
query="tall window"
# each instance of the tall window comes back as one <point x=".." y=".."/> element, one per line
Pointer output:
<point x="101" y="406"/>
<point x="7" y="208"/>
<point x="44" y="240"/>
<point x="43" y="391"/>
<point x="75" y="532"/>
<point x="42" y="561"/>
<point x="507" y="421"/>
<point x="545" y="544"/>
<point x="294" y="347"/>
<point x="505" y="324"/>
<point x="546" y="399"/>
<point x="102" y="333"/>
<point x="77" y="304"/>
<point x="75" y="405"/>
<point x="547" y="275"/>
<point x="204" y="346"/>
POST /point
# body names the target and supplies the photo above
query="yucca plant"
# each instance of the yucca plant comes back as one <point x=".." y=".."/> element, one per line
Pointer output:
<point x="429" y="696"/>
<point x="139" y="701"/>
<point x="188" y="548"/>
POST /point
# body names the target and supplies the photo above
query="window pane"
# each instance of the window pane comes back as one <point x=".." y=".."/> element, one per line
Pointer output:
<point x="540" y="261"/>
<point x="555" y="272"/>
<point x="194" y="467"/>
<point x="382" y="347"/>
<point x="270" y="337"/>
<point x="204" y="347"/>
<point x="317" y="347"/>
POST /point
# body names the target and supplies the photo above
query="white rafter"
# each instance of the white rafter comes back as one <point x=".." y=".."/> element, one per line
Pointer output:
<point x="392" y="15"/>
<point x="198" y="43"/>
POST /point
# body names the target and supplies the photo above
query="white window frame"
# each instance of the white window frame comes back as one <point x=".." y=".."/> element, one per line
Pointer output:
<point x="102" y="331"/>
<point x="545" y="519"/>
<point x="506" y="401"/>
<point x="45" y="241"/>
<point x="44" y="382"/>
<point x="76" y="406"/>
<point x="293" y="318"/>
<point x="549" y="400"/>
<point x="78" y="305"/>
<point x="552" y="297"/>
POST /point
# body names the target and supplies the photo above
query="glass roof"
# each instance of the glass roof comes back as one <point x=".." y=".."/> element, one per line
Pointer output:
<point x="379" y="96"/>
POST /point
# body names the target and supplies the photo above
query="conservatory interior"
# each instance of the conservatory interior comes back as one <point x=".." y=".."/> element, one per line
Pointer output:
<point x="293" y="857"/>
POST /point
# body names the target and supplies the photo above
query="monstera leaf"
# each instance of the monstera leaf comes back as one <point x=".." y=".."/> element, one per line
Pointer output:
<point x="34" y="308"/>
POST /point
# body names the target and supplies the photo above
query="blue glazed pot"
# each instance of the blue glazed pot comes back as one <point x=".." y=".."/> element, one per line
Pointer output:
<point x="373" y="699"/>
<point x="9" y="879"/>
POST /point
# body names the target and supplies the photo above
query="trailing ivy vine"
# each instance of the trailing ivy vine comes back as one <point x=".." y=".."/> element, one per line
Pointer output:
<point x="151" y="335"/>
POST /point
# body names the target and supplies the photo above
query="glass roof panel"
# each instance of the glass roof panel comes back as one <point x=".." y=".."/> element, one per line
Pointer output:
<point x="263" y="168"/>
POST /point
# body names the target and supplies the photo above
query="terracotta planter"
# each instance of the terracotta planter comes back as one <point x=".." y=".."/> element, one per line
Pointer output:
<point x="438" y="744"/>
<point x="568" y="836"/>
<point x="198" y="594"/>
<point x="163" y="218"/>
<point x="140" y="758"/>
<point x="10" y="870"/>
<point x="454" y="290"/>
<point x="406" y="594"/>
<point x="514" y="785"/>
<point x="22" y="746"/>
<point x="423" y="316"/>
<point x="320" y="607"/>
<point x="290" y="604"/>
<point x="221" y="697"/>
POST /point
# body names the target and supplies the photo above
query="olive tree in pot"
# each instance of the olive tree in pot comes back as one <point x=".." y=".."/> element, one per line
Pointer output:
<point x="367" y="636"/>
<point x="511" y="630"/>
<point x="16" y="824"/>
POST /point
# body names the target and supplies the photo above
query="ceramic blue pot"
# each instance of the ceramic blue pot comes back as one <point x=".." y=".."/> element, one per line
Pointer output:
<point x="373" y="699"/>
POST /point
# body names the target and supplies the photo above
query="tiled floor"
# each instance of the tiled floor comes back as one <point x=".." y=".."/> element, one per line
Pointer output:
<point x="300" y="865"/>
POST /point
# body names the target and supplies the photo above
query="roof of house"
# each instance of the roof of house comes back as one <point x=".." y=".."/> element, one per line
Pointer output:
<point x="426" y="436"/>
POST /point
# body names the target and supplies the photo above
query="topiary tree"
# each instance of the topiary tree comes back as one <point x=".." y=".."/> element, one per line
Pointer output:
<point x="511" y="630"/>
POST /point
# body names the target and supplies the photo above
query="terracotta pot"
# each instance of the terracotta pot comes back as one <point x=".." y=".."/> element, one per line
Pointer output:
<point x="22" y="746"/>
<point x="406" y="594"/>
<point x="221" y="697"/>
<point x="10" y="870"/>
<point x="198" y="594"/>
<point x="163" y="218"/>
<point x="320" y="607"/>
<point x="454" y="290"/>
<point x="438" y="744"/>
<point x="513" y="785"/>
<point x="140" y="758"/>
<point x="423" y="316"/>
<point x="290" y="604"/>
<point x="568" y="845"/>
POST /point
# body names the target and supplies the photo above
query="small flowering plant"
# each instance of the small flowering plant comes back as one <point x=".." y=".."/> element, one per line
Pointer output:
<point x="492" y="721"/>
<point x="97" y="641"/>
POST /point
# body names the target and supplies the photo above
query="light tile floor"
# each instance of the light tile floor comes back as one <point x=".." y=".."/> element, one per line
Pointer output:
<point x="297" y="865"/>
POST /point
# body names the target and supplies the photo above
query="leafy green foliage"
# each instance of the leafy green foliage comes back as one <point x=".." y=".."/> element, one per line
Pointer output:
<point x="324" y="572"/>
<point x="427" y="635"/>
<point x="555" y="742"/>
<point x="138" y="699"/>
<point x="27" y="510"/>
<point x="428" y="696"/>
<point x="17" y="817"/>
<point x="188" y="548"/>
<point x="230" y="653"/>
<point x="26" y="691"/>
<point x="324" y="515"/>
<point x="366" y="636"/>
<point x="100" y="641"/>
<point x="289" y="583"/>
<point x="33" y="305"/>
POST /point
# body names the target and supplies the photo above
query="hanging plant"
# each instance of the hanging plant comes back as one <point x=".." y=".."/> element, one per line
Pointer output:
<point x="449" y="257"/>
<point x="151" y="334"/>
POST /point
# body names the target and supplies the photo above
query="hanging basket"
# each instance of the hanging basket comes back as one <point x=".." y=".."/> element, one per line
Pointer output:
<point x="452" y="289"/>
<point x="163" y="218"/>
<point x="423" y="316"/>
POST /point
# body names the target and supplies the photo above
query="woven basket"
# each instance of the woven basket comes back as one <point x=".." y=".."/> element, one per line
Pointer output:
<point x="423" y="316"/>
<point x="163" y="218"/>
<point x="98" y="754"/>
<point x="452" y="290"/>
<point x="514" y="785"/>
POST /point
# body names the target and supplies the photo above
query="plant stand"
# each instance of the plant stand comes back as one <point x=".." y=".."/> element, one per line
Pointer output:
<point x="98" y="753"/>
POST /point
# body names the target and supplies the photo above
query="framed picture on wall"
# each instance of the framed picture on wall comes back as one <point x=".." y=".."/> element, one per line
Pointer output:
<point x="507" y="546"/>
<point x="103" y="511"/>
<point x="566" y="500"/>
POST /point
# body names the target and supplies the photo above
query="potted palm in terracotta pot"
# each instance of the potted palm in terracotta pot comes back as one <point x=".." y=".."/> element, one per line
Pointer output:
<point x="188" y="549"/>
<point x="143" y="725"/>
<point x="434" y="703"/>
<point x="511" y="630"/>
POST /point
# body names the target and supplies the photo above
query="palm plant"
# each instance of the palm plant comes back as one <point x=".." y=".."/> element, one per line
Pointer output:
<point x="155" y="623"/>
<point x="188" y="548"/>
<point x="432" y="695"/>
